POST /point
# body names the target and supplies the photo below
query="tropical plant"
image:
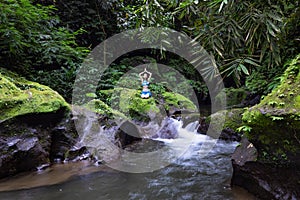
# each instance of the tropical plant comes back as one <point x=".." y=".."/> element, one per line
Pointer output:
<point x="33" y="43"/>
<point x="29" y="36"/>
<point x="97" y="18"/>
<point x="243" y="36"/>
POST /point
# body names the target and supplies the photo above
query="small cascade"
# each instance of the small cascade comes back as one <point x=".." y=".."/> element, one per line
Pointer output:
<point x="183" y="146"/>
<point x="169" y="129"/>
<point x="192" y="127"/>
<point x="87" y="127"/>
<point x="171" y="141"/>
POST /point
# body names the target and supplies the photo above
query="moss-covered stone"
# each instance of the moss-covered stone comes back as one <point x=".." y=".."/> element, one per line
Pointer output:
<point x="234" y="96"/>
<point x="102" y="108"/>
<point x="233" y="120"/>
<point x="178" y="100"/>
<point x="275" y="122"/>
<point x="34" y="125"/>
<point x="19" y="96"/>
<point x="129" y="102"/>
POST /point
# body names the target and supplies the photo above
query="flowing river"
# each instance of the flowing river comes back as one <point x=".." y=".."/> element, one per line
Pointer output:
<point x="189" y="177"/>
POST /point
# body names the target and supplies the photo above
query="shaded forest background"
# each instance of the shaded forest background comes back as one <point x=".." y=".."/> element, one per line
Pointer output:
<point x="47" y="40"/>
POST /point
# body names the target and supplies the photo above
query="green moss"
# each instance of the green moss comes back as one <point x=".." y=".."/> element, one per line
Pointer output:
<point x="178" y="100"/>
<point x="233" y="118"/>
<point x="19" y="96"/>
<point x="276" y="119"/>
<point x="297" y="101"/>
<point x="129" y="102"/>
<point x="234" y="96"/>
<point x="100" y="107"/>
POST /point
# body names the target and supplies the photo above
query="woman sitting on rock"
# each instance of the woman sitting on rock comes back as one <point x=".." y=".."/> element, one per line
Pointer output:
<point x="145" y="78"/>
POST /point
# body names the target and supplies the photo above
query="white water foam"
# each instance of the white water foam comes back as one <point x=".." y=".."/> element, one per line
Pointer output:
<point x="189" y="142"/>
<point x="180" y="143"/>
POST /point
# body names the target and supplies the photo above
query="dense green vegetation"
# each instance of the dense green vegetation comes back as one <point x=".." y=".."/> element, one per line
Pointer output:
<point x="247" y="38"/>
<point x="46" y="41"/>
<point x="31" y="37"/>
<point x="34" y="44"/>
<point x="255" y="45"/>
<point x="274" y="124"/>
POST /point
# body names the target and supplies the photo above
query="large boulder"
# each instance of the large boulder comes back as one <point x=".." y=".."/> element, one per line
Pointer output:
<point x="232" y="121"/>
<point x="261" y="179"/>
<point x="19" y="97"/>
<point x="134" y="117"/>
<point x="129" y="102"/>
<point x="275" y="122"/>
<point x="31" y="124"/>
<point x="273" y="128"/>
<point x="234" y="97"/>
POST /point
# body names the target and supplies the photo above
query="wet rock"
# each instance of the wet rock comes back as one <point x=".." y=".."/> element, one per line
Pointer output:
<point x="63" y="138"/>
<point x="232" y="120"/>
<point x="127" y="134"/>
<point x="168" y="130"/>
<point x="27" y="143"/>
<point x="189" y="117"/>
<point x="33" y="125"/>
<point x="22" y="147"/>
<point x="245" y="152"/>
<point x="261" y="179"/>
<point x="77" y="154"/>
<point x="26" y="155"/>
<point x="229" y="134"/>
<point x="43" y="167"/>
<point x="234" y="97"/>
<point x="275" y="129"/>
<point x="203" y="125"/>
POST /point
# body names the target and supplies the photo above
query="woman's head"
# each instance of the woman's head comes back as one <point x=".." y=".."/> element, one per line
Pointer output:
<point x="145" y="76"/>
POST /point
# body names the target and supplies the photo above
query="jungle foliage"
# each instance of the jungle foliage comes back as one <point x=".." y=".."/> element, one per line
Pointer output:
<point x="31" y="37"/>
<point x="46" y="40"/>
<point x="245" y="37"/>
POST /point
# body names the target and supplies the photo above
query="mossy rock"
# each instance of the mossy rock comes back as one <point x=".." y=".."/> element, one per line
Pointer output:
<point x="102" y="108"/>
<point x="129" y="102"/>
<point x="233" y="120"/>
<point x="34" y="125"/>
<point x="19" y="96"/>
<point x="178" y="100"/>
<point x="275" y="122"/>
<point x="234" y="96"/>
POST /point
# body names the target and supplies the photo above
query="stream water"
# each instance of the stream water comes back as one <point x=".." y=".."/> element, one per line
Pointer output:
<point x="190" y="177"/>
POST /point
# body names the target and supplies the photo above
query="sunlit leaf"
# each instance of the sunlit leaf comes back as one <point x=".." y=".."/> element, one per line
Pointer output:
<point x="244" y="69"/>
<point x="247" y="60"/>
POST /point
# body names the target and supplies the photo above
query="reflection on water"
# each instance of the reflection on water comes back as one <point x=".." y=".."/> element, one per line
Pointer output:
<point x="57" y="173"/>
